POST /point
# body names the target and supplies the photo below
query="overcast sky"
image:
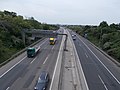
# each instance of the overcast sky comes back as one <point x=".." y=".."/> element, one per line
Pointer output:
<point x="66" y="11"/>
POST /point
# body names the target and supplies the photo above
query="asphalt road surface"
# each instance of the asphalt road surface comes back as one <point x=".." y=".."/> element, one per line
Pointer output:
<point x="23" y="75"/>
<point x="100" y="72"/>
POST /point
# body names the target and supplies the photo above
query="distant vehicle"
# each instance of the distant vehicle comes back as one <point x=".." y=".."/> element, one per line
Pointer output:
<point x="42" y="81"/>
<point x="74" y="37"/>
<point x="32" y="51"/>
<point x="85" y="35"/>
<point x="52" y="41"/>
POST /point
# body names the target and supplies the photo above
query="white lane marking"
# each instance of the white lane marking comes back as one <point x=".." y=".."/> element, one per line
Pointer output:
<point x="86" y="55"/>
<point x="101" y="63"/>
<point x="53" y="47"/>
<point x="12" y="67"/>
<point x="36" y="57"/>
<point x="45" y="59"/>
<point x="33" y="60"/>
<point x="48" y="56"/>
<point x="80" y="66"/>
<point x="103" y="82"/>
<point x="55" y="67"/>
<point x="18" y="63"/>
<point x="43" y="42"/>
<point x="7" y="88"/>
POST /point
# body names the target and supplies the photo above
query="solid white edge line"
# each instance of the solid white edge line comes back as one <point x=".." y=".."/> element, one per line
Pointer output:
<point x="87" y="88"/>
<point x="56" y="66"/>
<point x="101" y="62"/>
<point x="17" y="63"/>
<point x="102" y="82"/>
<point x="12" y="67"/>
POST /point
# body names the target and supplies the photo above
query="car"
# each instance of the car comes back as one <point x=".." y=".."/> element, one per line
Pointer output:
<point x="74" y="37"/>
<point x="42" y="81"/>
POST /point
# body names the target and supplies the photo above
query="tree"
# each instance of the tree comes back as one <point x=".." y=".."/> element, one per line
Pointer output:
<point x="45" y="27"/>
<point x="114" y="27"/>
<point x="10" y="32"/>
<point x="103" y="24"/>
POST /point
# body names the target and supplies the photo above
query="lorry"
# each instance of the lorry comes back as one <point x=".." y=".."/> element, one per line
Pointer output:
<point x="32" y="51"/>
<point x="52" y="41"/>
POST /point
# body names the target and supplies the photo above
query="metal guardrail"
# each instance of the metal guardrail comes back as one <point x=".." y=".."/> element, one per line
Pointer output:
<point x="103" y="52"/>
<point x="18" y="53"/>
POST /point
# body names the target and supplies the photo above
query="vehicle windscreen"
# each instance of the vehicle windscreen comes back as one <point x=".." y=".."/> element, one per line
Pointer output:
<point x="30" y="51"/>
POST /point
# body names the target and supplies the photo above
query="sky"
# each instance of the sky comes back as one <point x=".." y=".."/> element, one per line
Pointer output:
<point x="80" y="12"/>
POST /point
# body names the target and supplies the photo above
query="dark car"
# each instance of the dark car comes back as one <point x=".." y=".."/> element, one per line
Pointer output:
<point x="42" y="81"/>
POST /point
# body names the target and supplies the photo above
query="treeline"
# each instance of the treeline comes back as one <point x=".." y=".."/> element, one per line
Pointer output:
<point x="105" y="36"/>
<point x="11" y="25"/>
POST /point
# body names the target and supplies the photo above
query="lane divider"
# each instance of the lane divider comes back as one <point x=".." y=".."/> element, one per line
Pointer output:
<point x="101" y="62"/>
<point x="43" y="42"/>
<point x="18" y="62"/>
<point x="48" y="55"/>
<point x="84" y="85"/>
<point x="8" y="88"/>
<point x="12" y="67"/>
<point x="53" y="47"/>
<point x="46" y="59"/>
<point x="33" y="60"/>
<point x="55" y="77"/>
<point x="86" y="55"/>
<point x="103" y="82"/>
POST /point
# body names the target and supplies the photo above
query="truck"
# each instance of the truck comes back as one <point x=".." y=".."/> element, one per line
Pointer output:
<point x="52" y="41"/>
<point x="32" y="51"/>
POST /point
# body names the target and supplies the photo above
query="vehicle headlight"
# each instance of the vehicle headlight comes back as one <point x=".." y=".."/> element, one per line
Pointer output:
<point x="35" y="88"/>
<point x="44" y="88"/>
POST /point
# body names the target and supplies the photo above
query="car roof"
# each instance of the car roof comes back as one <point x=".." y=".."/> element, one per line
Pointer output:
<point x="43" y="75"/>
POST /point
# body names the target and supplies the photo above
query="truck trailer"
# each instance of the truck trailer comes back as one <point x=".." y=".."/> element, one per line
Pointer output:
<point x="32" y="51"/>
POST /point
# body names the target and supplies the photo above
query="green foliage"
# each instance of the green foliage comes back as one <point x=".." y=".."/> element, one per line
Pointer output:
<point x="107" y="46"/>
<point x="11" y="25"/>
<point x="104" y="36"/>
<point x="45" y="27"/>
<point x="77" y="28"/>
<point x="103" y="24"/>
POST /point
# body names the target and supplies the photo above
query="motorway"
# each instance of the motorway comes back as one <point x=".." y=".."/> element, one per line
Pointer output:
<point x="100" y="72"/>
<point x="22" y="73"/>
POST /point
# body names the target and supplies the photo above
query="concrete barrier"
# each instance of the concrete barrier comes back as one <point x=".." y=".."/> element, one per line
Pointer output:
<point x="56" y="74"/>
<point x="82" y="80"/>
